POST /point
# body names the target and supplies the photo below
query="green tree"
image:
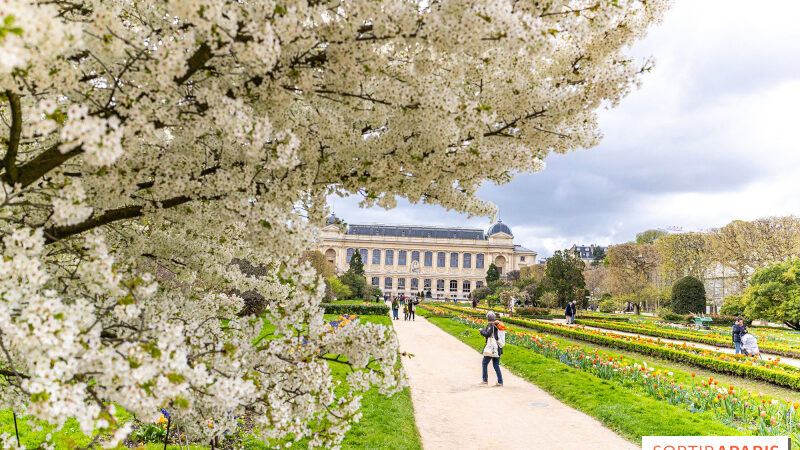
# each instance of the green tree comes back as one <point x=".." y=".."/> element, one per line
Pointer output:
<point x="480" y="293"/>
<point x="356" y="264"/>
<point x="688" y="296"/>
<point x="774" y="294"/>
<point x="734" y="305"/>
<point x="356" y="283"/>
<point x="649" y="236"/>
<point x="492" y="274"/>
<point x="338" y="289"/>
<point x="317" y="260"/>
<point x="599" y="255"/>
<point x="564" y="277"/>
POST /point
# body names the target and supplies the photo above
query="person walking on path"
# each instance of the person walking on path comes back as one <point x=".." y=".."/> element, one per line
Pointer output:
<point x="395" y="308"/>
<point x="411" y="309"/>
<point x="568" y="312"/>
<point x="492" y="350"/>
<point x="738" y="330"/>
<point x="574" y="311"/>
<point x="474" y="303"/>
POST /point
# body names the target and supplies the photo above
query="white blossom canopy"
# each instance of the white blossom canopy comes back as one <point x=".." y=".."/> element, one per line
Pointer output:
<point x="167" y="138"/>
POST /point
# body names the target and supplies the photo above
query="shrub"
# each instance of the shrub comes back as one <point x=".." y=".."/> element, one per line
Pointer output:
<point x="721" y="319"/>
<point x="480" y="293"/>
<point x="608" y="306"/>
<point x="688" y="296"/>
<point x="361" y="310"/>
<point x="532" y="312"/>
<point x="733" y="306"/>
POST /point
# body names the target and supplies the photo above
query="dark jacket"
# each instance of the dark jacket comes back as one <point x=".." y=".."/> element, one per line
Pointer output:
<point x="738" y="330"/>
<point x="569" y="311"/>
<point x="395" y="305"/>
<point x="491" y="331"/>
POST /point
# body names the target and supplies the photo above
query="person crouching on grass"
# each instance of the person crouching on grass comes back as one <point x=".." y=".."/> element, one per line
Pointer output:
<point x="495" y="340"/>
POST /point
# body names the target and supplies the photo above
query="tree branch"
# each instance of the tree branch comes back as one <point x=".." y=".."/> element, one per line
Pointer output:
<point x="54" y="234"/>
<point x="40" y="165"/>
<point x="196" y="62"/>
<point x="10" y="160"/>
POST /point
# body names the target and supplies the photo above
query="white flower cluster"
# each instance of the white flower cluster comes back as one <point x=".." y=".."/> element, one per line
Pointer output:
<point x="148" y="146"/>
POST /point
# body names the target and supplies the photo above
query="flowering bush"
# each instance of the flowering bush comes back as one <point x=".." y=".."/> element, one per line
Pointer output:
<point x="146" y="145"/>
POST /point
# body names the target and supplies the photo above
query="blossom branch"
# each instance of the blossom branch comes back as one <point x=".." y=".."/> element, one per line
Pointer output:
<point x="9" y="162"/>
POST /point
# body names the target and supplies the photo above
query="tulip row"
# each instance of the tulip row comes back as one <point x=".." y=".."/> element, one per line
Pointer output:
<point x="732" y="406"/>
<point x="767" y="370"/>
<point x="670" y="332"/>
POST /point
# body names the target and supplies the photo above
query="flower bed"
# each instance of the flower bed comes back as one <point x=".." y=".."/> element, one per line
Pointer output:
<point x="669" y="331"/>
<point x="762" y="416"/>
<point x="759" y="369"/>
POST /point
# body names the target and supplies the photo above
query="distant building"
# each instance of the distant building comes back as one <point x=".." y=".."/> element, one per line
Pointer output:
<point x="448" y="262"/>
<point x="586" y="252"/>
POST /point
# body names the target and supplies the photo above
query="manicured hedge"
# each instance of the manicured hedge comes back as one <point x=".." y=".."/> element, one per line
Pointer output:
<point x="683" y="335"/>
<point x="361" y="310"/>
<point x="754" y="372"/>
<point x="532" y="312"/>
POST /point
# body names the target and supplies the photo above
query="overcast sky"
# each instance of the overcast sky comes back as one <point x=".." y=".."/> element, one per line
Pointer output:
<point x="711" y="136"/>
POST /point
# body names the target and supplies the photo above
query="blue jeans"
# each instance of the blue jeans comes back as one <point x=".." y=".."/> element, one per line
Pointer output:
<point x="738" y="346"/>
<point x="496" y="364"/>
<point x="394" y="311"/>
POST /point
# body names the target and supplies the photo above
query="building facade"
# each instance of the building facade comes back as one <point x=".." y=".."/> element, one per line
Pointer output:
<point x="447" y="262"/>
<point x="587" y="252"/>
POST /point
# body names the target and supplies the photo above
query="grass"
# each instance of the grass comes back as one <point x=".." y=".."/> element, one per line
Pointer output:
<point x="630" y="414"/>
<point x="386" y="422"/>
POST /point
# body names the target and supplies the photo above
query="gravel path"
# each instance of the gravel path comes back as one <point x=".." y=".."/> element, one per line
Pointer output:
<point x="453" y="411"/>
<point x="784" y="359"/>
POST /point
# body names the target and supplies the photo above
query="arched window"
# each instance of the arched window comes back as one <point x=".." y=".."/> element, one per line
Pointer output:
<point x="389" y="257"/>
<point x="467" y="261"/>
<point x="465" y="286"/>
<point x="387" y="283"/>
<point x="376" y="256"/>
<point x="453" y="259"/>
<point x="414" y="284"/>
<point x="401" y="258"/>
<point x="478" y="284"/>
<point x="376" y="281"/>
<point x="427" y="284"/>
<point x="414" y="256"/>
<point x="428" y="259"/>
<point x="440" y="285"/>
<point x="401" y="284"/>
<point x="440" y="259"/>
<point x="479" y="261"/>
<point x="363" y="253"/>
<point x="350" y="253"/>
<point x="453" y="285"/>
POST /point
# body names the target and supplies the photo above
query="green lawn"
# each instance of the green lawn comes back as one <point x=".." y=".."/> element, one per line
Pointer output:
<point x="387" y="422"/>
<point x="630" y="414"/>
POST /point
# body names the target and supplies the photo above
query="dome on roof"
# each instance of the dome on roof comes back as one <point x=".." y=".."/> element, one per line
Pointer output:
<point x="499" y="227"/>
<point x="333" y="220"/>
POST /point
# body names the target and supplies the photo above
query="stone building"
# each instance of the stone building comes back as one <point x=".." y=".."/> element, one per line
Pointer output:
<point x="448" y="262"/>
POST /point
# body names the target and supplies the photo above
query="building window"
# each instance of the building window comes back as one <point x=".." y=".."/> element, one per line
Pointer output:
<point x="414" y="284"/>
<point x="389" y="257"/>
<point x="414" y="256"/>
<point x="522" y="258"/>
<point x="440" y="285"/>
<point x="453" y="259"/>
<point x="401" y="258"/>
<point x="478" y="284"/>
<point x="376" y="257"/>
<point x="479" y="261"/>
<point x="465" y="286"/>
<point x="376" y="281"/>
<point x="387" y="283"/>
<point x="428" y="259"/>
<point x="467" y="260"/>
<point x="350" y="253"/>
<point x="453" y="285"/>
<point x="440" y="259"/>
<point x="363" y="253"/>
<point x="427" y="284"/>
<point x="401" y="284"/>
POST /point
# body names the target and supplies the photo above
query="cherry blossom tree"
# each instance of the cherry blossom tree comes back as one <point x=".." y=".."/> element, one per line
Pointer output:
<point x="148" y="144"/>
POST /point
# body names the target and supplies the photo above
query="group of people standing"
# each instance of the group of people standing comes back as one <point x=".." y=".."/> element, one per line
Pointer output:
<point x="409" y="305"/>
<point x="744" y="342"/>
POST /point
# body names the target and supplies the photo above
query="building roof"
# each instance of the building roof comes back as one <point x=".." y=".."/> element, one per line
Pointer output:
<point x="499" y="227"/>
<point x="416" y="231"/>
<point x="519" y="248"/>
